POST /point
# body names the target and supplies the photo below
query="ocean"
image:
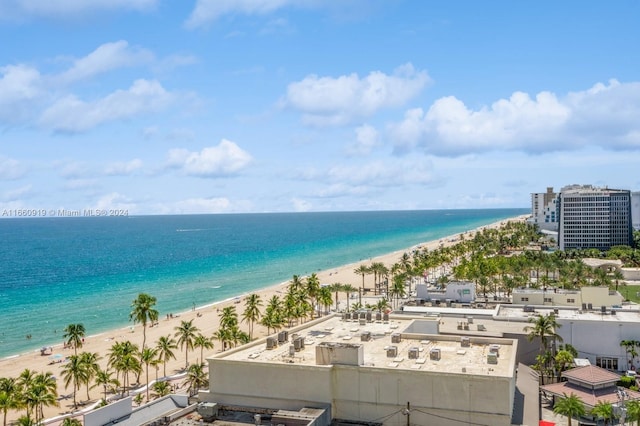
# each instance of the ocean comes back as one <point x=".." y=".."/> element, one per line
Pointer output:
<point x="58" y="271"/>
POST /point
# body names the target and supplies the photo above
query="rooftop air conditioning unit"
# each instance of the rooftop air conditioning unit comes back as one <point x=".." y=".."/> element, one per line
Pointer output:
<point x="272" y="343"/>
<point x="365" y="336"/>
<point x="434" y="354"/>
<point x="385" y="317"/>
<point x="378" y="316"/>
<point x="414" y="353"/>
<point x="494" y="349"/>
<point x="492" y="358"/>
<point x="396" y="338"/>
<point x="292" y="350"/>
<point x="465" y="342"/>
<point x="283" y="336"/>
<point x="368" y="316"/>
<point x="392" y="351"/>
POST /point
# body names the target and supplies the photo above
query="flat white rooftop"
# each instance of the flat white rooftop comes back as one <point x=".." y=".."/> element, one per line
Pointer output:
<point x="621" y="315"/>
<point x="454" y="358"/>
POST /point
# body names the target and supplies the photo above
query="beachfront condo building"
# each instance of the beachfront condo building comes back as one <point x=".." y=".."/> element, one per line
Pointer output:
<point x="584" y="216"/>
<point x="545" y="210"/>
<point x="592" y="217"/>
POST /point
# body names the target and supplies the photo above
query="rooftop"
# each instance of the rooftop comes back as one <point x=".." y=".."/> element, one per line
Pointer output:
<point x="622" y="314"/>
<point x="408" y="334"/>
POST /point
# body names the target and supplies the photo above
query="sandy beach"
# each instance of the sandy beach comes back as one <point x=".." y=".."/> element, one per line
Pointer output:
<point x="206" y="318"/>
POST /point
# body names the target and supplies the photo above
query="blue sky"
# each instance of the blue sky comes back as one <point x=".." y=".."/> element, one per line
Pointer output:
<point x="224" y="106"/>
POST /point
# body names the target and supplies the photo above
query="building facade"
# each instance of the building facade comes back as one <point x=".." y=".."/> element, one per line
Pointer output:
<point x="370" y="370"/>
<point x="545" y="210"/>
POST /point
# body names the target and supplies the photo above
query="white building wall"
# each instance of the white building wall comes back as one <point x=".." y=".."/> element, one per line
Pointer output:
<point x="367" y="392"/>
<point x="635" y="210"/>
<point x="597" y="296"/>
<point x="600" y="339"/>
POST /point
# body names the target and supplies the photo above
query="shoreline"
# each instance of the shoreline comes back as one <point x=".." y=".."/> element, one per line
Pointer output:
<point x="205" y="317"/>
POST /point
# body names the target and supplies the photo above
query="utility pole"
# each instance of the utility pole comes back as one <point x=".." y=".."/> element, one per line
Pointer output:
<point x="407" y="412"/>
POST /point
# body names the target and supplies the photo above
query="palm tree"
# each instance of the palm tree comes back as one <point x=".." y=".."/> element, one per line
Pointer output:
<point x="186" y="334"/>
<point x="165" y="346"/>
<point x="9" y="397"/>
<point x="42" y="391"/>
<point x="251" y="312"/>
<point x="74" y="373"/>
<point x="161" y="389"/>
<point x="604" y="410"/>
<point x="104" y="378"/>
<point x="90" y="365"/>
<point x="348" y="289"/>
<point x="544" y="327"/>
<point x="74" y="335"/>
<point x="633" y="411"/>
<point x="123" y="357"/>
<point x="196" y="378"/>
<point x="69" y="421"/>
<point x="570" y="406"/>
<point x="146" y="357"/>
<point x="203" y="342"/>
<point x="312" y="289"/>
<point x="324" y="297"/>
<point x="143" y="311"/>
<point x="336" y="288"/>
<point x="362" y="270"/>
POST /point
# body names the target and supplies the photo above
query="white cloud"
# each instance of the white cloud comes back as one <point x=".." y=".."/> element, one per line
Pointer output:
<point x="73" y="115"/>
<point x="604" y="115"/>
<point x="20" y="9"/>
<point x="225" y="159"/>
<point x="207" y="11"/>
<point x="11" y="169"/>
<point x="20" y="88"/>
<point x="123" y="168"/>
<point x="114" y="201"/>
<point x="105" y="58"/>
<point x="367" y="138"/>
<point x="300" y="205"/>
<point x="335" y="101"/>
<point x="17" y="194"/>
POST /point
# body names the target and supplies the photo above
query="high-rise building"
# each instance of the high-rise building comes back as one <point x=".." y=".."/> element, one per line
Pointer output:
<point x="592" y="217"/>
<point x="545" y="212"/>
<point x="635" y="210"/>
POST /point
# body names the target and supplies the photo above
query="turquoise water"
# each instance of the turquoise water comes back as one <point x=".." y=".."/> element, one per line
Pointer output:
<point x="57" y="271"/>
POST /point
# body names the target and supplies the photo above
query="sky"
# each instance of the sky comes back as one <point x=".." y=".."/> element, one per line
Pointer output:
<point x="233" y="106"/>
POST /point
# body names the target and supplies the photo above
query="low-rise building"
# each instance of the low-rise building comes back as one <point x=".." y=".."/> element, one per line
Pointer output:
<point x="455" y="292"/>
<point x="368" y="368"/>
<point x="587" y="298"/>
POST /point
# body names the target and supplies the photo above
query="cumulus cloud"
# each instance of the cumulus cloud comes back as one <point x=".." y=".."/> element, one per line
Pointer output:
<point x="604" y="115"/>
<point x="21" y="9"/>
<point x="207" y="11"/>
<point x="123" y="168"/>
<point x="106" y="57"/>
<point x="11" y="169"/>
<point x="73" y="115"/>
<point x="115" y="201"/>
<point x="338" y="100"/>
<point x="224" y="159"/>
<point x="20" y="88"/>
<point x="367" y="138"/>
<point x="17" y="194"/>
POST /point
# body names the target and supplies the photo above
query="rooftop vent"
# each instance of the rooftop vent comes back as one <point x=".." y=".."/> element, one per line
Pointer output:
<point x="434" y="354"/>
<point x="392" y="351"/>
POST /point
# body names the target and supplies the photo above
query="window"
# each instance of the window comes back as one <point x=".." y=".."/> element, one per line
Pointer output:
<point x="608" y="363"/>
<point x="524" y="299"/>
<point x="571" y="300"/>
<point x="548" y="299"/>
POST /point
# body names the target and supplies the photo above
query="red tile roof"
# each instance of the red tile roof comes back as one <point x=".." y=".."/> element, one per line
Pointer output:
<point x="589" y="397"/>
